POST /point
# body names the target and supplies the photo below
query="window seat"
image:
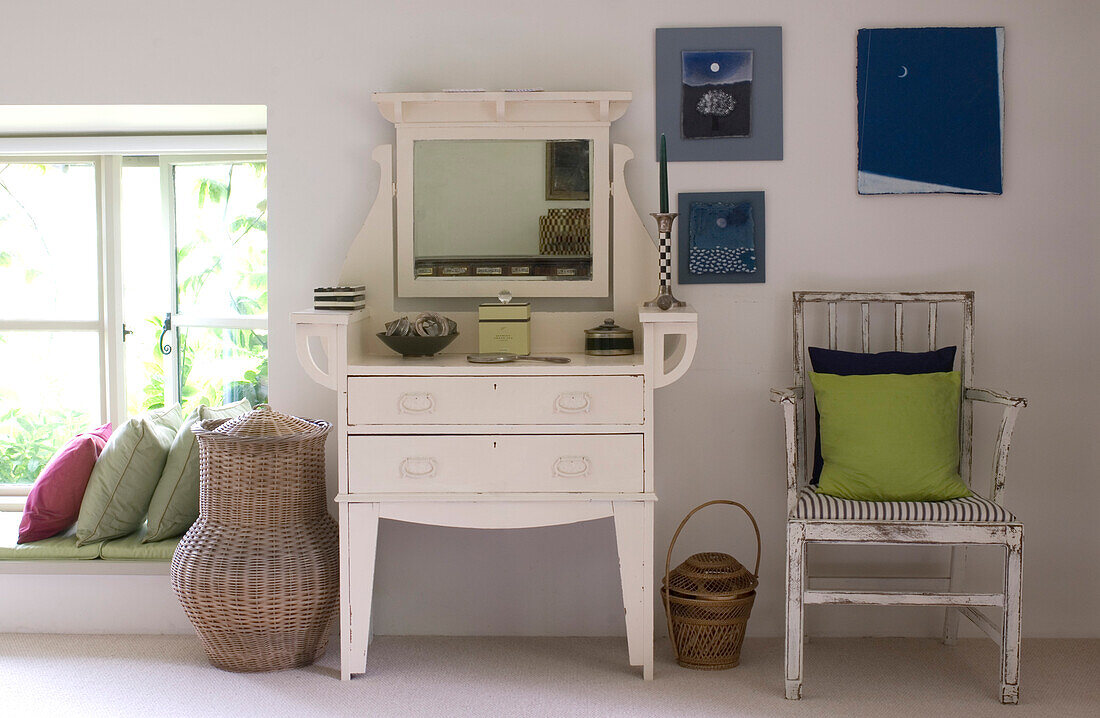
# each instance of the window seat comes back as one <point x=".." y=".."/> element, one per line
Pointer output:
<point x="63" y="547"/>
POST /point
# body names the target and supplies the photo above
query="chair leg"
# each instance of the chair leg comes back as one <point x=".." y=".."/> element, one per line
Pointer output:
<point x="796" y="579"/>
<point x="951" y="616"/>
<point x="1010" y="628"/>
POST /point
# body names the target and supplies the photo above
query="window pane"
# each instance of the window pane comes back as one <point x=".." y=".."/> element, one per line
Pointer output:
<point x="146" y="290"/>
<point x="49" y="392"/>
<point x="222" y="365"/>
<point x="48" y="241"/>
<point x="221" y="238"/>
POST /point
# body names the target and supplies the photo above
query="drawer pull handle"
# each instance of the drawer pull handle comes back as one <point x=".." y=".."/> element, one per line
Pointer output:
<point x="572" y="467"/>
<point x="574" y="402"/>
<point x="416" y="403"/>
<point x="418" y="468"/>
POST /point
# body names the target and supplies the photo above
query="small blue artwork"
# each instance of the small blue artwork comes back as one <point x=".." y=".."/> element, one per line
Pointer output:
<point x="930" y="110"/>
<point x="722" y="237"/>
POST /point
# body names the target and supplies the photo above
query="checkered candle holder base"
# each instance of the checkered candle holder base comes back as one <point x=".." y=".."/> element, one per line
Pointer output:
<point x="664" y="299"/>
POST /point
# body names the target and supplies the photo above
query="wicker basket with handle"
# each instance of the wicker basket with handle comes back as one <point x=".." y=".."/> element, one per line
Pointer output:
<point x="707" y="600"/>
<point x="258" y="572"/>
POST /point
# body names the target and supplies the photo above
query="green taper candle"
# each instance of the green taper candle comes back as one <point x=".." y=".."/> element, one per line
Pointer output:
<point x="664" y="175"/>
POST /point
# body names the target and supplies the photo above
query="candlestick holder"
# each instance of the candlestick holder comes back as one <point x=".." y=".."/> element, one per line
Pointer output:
<point x="664" y="299"/>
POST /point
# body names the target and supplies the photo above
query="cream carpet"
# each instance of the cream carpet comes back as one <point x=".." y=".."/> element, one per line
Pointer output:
<point x="63" y="675"/>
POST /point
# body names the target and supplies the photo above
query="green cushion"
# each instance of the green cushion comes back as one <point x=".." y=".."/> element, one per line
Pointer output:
<point x="175" y="503"/>
<point x="135" y="548"/>
<point x="125" y="476"/>
<point x="226" y="411"/>
<point x="890" y="437"/>
<point x="62" y="547"/>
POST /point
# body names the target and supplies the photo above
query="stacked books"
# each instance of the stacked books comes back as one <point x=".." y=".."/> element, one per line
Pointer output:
<point x="345" y="298"/>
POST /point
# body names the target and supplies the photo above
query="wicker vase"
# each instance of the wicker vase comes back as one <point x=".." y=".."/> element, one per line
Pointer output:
<point x="258" y="572"/>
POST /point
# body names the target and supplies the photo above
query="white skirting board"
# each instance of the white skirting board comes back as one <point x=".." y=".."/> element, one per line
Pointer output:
<point x="90" y="604"/>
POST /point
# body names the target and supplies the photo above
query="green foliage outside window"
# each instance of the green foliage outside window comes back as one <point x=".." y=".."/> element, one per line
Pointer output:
<point x="222" y="264"/>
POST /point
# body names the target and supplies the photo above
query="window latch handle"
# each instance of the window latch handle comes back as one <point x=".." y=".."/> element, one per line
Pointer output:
<point x="165" y="349"/>
<point x="126" y="332"/>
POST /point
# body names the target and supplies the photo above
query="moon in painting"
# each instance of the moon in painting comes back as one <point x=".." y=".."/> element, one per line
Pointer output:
<point x="904" y="71"/>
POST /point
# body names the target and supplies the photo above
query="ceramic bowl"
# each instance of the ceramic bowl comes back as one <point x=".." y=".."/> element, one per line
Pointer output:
<point x="417" y="346"/>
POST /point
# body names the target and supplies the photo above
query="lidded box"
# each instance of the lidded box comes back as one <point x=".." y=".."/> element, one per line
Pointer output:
<point x="608" y="339"/>
<point x="504" y="326"/>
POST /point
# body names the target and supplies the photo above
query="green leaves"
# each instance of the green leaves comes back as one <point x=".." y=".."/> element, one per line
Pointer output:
<point x="28" y="440"/>
<point x="210" y="189"/>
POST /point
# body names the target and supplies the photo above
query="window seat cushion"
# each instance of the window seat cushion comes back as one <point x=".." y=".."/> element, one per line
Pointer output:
<point x="63" y="546"/>
<point x="56" y="548"/>
<point x="132" y="548"/>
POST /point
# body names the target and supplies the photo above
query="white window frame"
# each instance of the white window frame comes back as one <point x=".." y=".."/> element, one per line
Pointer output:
<point x="184" y="320"/>
<point x="12" y="497"/>
<point x="109" y="321"/>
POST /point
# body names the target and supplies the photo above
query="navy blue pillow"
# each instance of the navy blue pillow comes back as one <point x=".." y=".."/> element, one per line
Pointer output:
<point x="831" y="361"/>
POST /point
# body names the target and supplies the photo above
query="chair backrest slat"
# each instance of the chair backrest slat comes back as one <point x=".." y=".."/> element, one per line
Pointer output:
<point x="899" y="300"/>
<point x="899" y="315"/>
<point x="932" y="317"/>
<point x="832" y="325"/>
<point x="865" y="321"/>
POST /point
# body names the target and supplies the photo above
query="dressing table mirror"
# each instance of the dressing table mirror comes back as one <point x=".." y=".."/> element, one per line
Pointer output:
<point x="519" y="214"/>
<point x="484" y="192"/>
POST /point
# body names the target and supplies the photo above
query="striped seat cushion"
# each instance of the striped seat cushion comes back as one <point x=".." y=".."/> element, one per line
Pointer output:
<point x="812" y="505"/>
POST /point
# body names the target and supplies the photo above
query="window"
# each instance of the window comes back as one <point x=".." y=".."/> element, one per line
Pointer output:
<point x="197" y="302"/>
<point x="126" y="282"/>
<point x="51" y="327"/>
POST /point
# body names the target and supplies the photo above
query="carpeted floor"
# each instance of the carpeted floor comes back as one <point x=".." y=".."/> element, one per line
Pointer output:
<point x="146" y="676"/>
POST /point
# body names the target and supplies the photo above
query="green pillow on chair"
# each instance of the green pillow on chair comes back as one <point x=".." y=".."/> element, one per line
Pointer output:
<point x="175" y="503"/>
<point x="125" y="476"/>
<point x="890" y="437"/>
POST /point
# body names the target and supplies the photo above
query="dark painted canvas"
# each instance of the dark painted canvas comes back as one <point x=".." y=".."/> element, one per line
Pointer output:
<point x="716" y="94"/>
<point x="930" y="109"/>
<point x="720" y="93"/>
<point x="722" y="237"/>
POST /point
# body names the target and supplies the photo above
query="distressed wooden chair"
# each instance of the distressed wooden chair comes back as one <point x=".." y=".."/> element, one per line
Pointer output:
<point x="973" y="521"/>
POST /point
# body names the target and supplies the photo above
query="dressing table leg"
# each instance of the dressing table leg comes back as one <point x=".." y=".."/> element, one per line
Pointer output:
<point x="358" y="555"/>
<point x="634" y="538"/>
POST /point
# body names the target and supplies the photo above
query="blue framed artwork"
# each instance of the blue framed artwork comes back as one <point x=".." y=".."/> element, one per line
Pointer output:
<point x="721" y="238"/>
<point x="930" y="110"/>
<point x="720" y="93"/>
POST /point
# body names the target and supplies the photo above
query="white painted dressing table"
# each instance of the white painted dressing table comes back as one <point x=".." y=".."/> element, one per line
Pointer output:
<point x="444" y="442"/>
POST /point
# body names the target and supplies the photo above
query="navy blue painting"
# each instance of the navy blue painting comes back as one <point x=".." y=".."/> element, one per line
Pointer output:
<point x="716" y="94"/>
<point x="721" y="237"/>
<point x="930" y="110"/>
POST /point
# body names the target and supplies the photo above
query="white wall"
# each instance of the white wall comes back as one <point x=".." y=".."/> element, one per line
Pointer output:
<point x="1031" y="255"/>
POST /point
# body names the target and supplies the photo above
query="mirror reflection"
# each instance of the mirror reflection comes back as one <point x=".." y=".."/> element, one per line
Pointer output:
<point x="502" y="208"/>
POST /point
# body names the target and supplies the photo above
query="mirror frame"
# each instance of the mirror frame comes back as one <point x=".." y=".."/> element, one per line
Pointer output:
<point x="408" y="285"/>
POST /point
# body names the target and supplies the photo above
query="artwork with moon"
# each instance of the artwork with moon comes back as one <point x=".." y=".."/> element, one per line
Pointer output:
<point x="721" y="237"/>
<point x="716" y="93"/>
<point x="720" y="93"/>
<point x="930" y="110"/>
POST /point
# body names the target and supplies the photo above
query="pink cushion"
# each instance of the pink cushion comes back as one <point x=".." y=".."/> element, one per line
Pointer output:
<point x="54" y="501"/>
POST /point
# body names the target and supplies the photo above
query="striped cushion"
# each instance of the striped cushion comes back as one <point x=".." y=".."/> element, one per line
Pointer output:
<point x="812" y="505"/>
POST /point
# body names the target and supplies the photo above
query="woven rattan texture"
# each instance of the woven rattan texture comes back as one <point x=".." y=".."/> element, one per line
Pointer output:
<point x="258" y="572"/>
<point x="712" y="575"/>
<point x="708" y="599"/>
<point x="708" y="633"/>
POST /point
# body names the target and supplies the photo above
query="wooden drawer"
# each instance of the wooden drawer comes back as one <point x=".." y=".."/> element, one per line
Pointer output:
<point x="483" y="400"/>
<point x="505" y="463"/>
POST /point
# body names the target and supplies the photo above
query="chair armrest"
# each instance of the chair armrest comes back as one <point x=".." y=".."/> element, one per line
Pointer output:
<point x="791" y="394"/>
<point x="995" y="397"/>
<point x="789" y="399"/>
<point x="1012" y="405"/>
